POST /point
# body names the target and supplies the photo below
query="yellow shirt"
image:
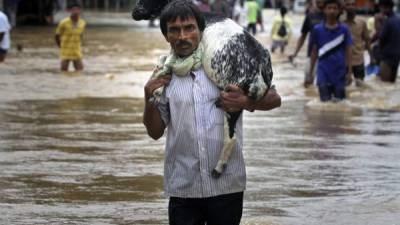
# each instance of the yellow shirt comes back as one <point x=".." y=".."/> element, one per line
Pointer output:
<point x="70" y="38"/>
<point x="276" y="24"/>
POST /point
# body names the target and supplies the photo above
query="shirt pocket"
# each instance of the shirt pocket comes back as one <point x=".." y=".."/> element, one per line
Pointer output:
<point x="215" y="114"/>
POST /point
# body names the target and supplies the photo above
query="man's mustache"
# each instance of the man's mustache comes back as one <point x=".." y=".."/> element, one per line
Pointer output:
<point x="183" y="44"/>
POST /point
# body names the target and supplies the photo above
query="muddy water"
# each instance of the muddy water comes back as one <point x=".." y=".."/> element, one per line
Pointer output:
<point x="73" y="149"/>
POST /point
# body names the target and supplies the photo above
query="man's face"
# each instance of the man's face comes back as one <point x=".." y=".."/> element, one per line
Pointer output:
<point x="320" y="4"/>
<point x="350" y="7"/>
<point x="75" y="11"/>
<point x="331" y="11"/>
<point x="183" y="36"/>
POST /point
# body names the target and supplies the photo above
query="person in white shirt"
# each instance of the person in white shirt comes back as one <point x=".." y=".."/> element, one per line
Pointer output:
<point x="240" y="13"/>
<point x="4" y="36"/>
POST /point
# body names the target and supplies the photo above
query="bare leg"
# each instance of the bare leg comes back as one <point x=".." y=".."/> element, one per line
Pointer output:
<point x="2" y="57"/>
<point x="64" y="65"/>
<point x="78" y="64"/>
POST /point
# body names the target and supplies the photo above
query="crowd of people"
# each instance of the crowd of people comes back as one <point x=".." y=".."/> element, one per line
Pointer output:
<point x="338" y="40"/>
<point x="378" y="35"/>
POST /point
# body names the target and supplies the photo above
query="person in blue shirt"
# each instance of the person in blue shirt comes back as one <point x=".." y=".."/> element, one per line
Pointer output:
<point x="389" y="42"/>
<point x="331" y="45"/>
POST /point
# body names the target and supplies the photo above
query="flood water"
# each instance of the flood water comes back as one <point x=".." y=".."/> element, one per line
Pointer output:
<point x="73" y="149"/>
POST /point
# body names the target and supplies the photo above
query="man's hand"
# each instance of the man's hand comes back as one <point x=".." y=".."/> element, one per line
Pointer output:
<point x="309" y="80"/>
<point x="155" y="83"/>
<point x="233" y="99"/>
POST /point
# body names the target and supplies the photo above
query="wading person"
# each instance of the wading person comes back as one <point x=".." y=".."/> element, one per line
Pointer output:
<point x="360" y="37"/>
<point x="312" y="18"/>
<point x="281" y="31"/>
<point x="195" y="134"/>
<point x="252" y="12"/>
<point x="4" y="36"/>
<point x="69" y="38"/>
<point x="331" y="45"/>
<point x="389" y="43"/>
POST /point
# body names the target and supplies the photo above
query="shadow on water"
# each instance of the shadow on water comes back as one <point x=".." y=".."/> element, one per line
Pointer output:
<point x="108" y="188"/>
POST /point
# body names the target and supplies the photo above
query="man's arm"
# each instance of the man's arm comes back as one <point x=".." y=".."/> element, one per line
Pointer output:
<point x="313" y="60"/>
<point x="300" y="43"/>
<point x="305" y="29"/>
<point x="59" y="32"/>
<point x="151" y="115"/>
<point x="236" y="100"/>
<point x="1" y="36"/>
<point x="57" y="39"/>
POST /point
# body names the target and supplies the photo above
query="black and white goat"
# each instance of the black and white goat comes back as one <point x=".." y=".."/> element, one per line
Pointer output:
<point x="231" y="56"/>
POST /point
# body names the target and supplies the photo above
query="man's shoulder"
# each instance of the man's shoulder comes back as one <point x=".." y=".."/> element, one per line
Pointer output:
<point x="343" y="26"/>
<point x="3" y="18"/>
<point x="393" y="20"/>
<point x="64" y="21"/>
<point x="2" y="15"/>
<point x="82" y="22"/>
<point x="319" y="27"/>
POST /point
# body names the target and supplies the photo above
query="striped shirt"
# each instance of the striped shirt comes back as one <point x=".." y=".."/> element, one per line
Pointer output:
<point x="195" y="131"/>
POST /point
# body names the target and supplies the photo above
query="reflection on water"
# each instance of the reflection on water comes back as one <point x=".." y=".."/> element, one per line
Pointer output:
<point x="73" y="149"/>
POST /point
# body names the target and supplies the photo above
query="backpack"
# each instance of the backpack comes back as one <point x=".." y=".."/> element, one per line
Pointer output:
<point x="282" y="32"/>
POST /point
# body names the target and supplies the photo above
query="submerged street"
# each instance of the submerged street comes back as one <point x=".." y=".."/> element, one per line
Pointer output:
<point x="73" y="149"/>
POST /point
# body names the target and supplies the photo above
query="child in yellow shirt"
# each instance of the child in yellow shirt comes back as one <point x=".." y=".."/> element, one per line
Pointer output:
<point x="69" y="38"/>
<point x="281" y="31"/>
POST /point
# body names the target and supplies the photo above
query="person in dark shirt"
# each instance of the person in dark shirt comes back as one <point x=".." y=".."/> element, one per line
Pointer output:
<point x="313" y="18"/>
<point x="389" y="43"/>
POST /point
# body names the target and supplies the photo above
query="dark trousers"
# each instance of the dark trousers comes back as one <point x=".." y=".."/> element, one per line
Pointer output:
<point x="220" y="210"/>
<point x="328" y="92"/>
<point x="388" y="69"/>
<point x="252" y="27"/>
<point x="359" y="71"/>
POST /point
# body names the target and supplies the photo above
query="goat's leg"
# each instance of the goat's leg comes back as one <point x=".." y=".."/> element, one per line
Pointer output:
<point x="224" y="157"/>
<point x="229" y="143"/>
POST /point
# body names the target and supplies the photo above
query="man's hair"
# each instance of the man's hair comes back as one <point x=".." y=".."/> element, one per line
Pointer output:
<point x="73" y="4"/>
<point x="327" y="2"/>
<point x="183" y="9"/>
<point x="389" y="3"/>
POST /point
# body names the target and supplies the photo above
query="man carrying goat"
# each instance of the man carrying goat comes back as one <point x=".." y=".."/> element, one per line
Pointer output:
<point x="195" y="127"/>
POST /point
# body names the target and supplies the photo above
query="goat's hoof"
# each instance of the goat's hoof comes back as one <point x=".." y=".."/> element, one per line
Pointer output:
<point x="215" y="173"/>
